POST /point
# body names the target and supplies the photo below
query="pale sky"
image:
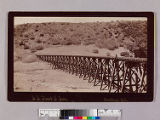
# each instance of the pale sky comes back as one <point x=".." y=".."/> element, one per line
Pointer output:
<point x="23" y="20"/>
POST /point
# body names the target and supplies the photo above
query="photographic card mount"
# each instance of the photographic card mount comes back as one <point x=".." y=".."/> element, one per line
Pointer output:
<point x="59" y="56"/>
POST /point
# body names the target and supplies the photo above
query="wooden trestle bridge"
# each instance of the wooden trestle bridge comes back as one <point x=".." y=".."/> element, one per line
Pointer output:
<point x="120" y="75"/>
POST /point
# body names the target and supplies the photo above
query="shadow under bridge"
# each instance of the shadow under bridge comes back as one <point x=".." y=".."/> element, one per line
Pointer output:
<point x="112" y="74"/>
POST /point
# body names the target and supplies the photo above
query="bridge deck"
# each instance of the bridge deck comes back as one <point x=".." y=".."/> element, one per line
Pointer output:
<point x="118" y="74"/>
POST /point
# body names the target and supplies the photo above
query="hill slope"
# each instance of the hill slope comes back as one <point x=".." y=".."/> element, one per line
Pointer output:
<point x="131" y="35"/>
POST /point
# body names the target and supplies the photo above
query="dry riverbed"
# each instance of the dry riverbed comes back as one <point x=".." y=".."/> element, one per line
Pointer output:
<point x="36" y="76"/>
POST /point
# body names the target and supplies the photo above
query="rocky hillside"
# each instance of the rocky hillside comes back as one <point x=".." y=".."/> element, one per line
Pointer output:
<point x="110" y="35"/>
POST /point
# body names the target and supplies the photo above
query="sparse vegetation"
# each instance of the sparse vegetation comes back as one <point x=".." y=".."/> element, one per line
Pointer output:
<point x="111" y="35"/>
<point x="39" y="47"/>
<point x="125" y="54"/>
<point x="26" y="46"/>
<point x="95" y="51"/>
<point x="109" y="43"/>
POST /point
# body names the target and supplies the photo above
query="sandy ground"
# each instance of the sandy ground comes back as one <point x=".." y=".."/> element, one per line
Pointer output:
<point x="80" y="50"/>
<point x="39" y="77"/>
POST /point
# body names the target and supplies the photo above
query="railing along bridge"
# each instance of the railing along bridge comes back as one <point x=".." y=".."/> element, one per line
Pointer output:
<point x="120" y="75"/>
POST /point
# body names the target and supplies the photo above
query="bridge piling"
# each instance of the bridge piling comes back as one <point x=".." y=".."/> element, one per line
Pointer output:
<point x="120" y="75"/>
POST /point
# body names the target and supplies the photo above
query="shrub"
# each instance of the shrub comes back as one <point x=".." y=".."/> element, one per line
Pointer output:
<point x="32" y="38"/>
<point x="26" y="46"/>
<point x="121" y="44"/>
<point x="112" y="45"/>
<point x="99" y="43"/>
<point x="95" y="51"/>
<point x="39" y="47"/>
<point x="26" y="36"/>
<point x="41" y="35"/>
<point x="55" y="42"/>
<point x="37" y="26"/>
<point x="76" y="42"/>
<point x="44" y="24"/>
<point x="109" y="43"/>
<point x="71" y="29"/>
<point x="36" y="30"/>
<point x="21" y="43"/>
<point x="66" y="42"/>
<point x="125" y="54"/>
<point x="39" y="41"/>
<point x="89" y="41"/>
<point x="33" y="49"/>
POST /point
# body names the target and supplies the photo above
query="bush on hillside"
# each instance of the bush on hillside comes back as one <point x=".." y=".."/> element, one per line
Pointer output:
<point x="89" y="41"/>
<point x="26" y="46"/>
<point x="98" y="33"/>
<point x="33" y="50"/>
<point x="129" y="44"/>
<point x="38" y="41"/>
<point x="76" y="42"/>
<point x="66" y="42"/>
<point x="107" y="43"/>
<point x="39" y="47"/>
<point x="32" y="38"/>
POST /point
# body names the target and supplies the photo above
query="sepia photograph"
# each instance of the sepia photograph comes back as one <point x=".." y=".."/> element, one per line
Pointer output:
<point x="81" y="54"/>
